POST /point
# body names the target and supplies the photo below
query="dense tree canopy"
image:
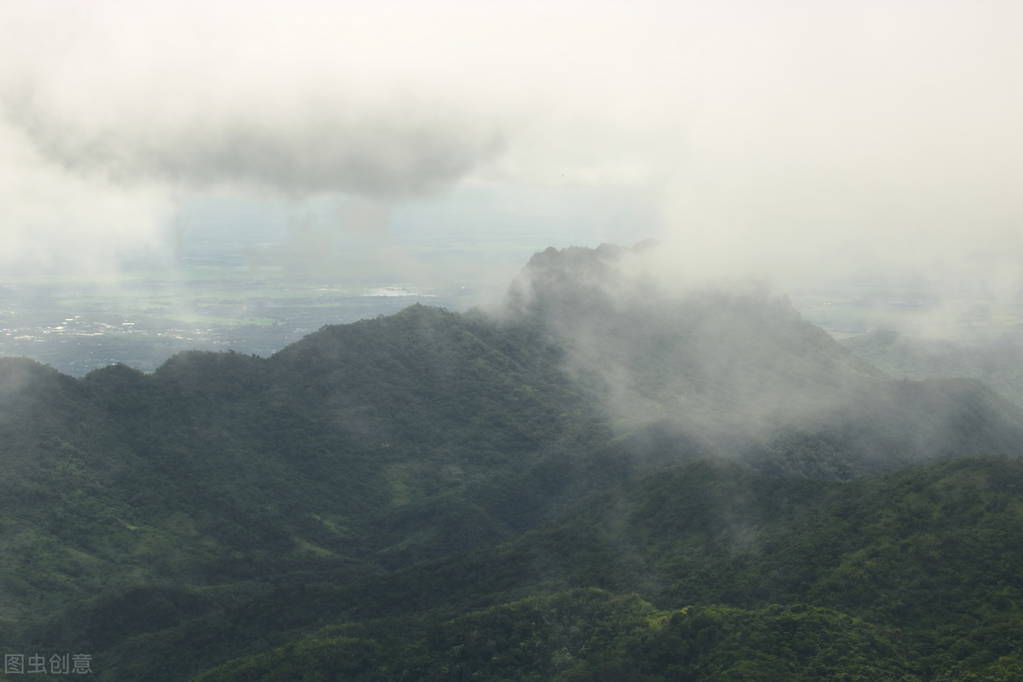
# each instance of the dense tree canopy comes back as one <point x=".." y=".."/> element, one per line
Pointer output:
<point x="460" y="496"/>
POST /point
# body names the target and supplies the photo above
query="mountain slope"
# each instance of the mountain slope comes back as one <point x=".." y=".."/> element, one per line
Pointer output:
<point x="372" y="443"/>
<point x="741" y="372"/>
<point x="998" y="362"/>
<point x="397" y="474"/>
<point x="913" y="575"/>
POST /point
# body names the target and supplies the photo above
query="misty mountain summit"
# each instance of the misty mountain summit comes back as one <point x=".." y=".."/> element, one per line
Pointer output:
<point x="606" y="475"/>
<point x="740" y="370"/>
<point x="653" y="352"/>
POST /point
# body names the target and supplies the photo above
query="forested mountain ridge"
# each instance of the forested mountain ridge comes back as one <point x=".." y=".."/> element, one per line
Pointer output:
<point x="375" y="493"/>
<point x="997" y="362"/>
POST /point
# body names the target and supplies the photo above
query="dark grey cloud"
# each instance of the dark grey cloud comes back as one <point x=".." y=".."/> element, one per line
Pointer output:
<point x="310" y="149"/>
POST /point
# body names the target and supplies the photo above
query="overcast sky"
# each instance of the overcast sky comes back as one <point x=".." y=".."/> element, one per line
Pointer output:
<point x="796" y="141"/>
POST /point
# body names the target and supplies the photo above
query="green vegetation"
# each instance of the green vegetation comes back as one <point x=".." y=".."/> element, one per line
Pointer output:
<point x="432" y="496"/>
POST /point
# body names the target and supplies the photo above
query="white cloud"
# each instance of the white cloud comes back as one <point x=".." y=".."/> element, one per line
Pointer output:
<point x="809" y="137"/>
<point x="56" y="220"/>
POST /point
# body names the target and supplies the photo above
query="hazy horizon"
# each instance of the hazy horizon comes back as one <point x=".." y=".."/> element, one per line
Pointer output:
<point x="819" y="148"/>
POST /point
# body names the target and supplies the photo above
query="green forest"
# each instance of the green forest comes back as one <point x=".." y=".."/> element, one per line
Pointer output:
<point x="585" y="486"/>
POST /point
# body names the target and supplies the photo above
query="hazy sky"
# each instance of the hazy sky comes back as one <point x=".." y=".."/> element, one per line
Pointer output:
<point x="791" y="140"/>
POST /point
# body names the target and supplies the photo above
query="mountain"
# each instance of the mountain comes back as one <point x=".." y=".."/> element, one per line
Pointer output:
<point x="997" y="362"/>
<point x="604" y="475"/>
<point x="743" y="373"/>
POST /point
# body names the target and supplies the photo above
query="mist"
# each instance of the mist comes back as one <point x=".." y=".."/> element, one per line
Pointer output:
<point x="736" y="372"/>
<point x="814" y="146"/>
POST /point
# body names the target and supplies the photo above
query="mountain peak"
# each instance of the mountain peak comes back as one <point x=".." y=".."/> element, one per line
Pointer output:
<point x="712" y="360"/>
